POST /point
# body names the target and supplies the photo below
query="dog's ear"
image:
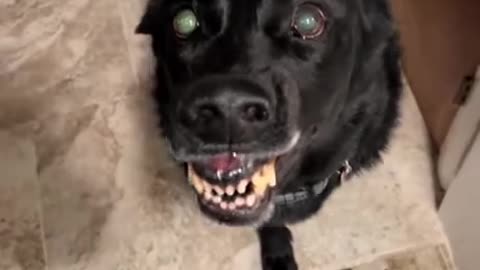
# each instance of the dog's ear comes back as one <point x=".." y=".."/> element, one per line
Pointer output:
<point x="148" y="23"/>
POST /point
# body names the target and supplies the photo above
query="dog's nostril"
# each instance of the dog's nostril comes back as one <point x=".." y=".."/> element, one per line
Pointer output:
<point x="206" y="113"/>
<point x="255" y="113"/>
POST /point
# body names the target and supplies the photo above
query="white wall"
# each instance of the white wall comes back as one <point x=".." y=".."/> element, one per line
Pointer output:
<point x="461" y="212"/>
<point x="459" y="170"/>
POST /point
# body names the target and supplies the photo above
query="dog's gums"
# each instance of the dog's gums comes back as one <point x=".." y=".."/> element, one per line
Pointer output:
<point x="239" y="196"/>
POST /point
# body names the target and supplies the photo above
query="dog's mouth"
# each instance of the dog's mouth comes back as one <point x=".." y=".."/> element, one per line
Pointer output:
<point x="232" y="188"/>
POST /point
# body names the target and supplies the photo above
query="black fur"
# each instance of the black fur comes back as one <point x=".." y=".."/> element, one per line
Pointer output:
<point x="340" y="90"/>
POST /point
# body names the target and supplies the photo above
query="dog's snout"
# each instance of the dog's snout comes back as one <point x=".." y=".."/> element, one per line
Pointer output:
<point x="239" y="108"/>
<point x="228" y="112"/>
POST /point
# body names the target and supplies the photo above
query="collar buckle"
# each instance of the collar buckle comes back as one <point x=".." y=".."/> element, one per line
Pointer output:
<point x="345" y="171"/>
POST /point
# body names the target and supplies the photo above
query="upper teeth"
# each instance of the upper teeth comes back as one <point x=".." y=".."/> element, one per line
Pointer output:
<point x="264" y="177"/>
<point x="218" y="190"/>
<point x="242" y="186"/>
<point x="261" y="180"/>
<point x="230" y="190"/>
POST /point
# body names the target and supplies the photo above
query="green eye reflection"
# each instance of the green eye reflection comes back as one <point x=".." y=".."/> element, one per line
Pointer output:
<point x="309" y="21"/>
<point x="306" y="22"/>
<point x="185" y="22"/>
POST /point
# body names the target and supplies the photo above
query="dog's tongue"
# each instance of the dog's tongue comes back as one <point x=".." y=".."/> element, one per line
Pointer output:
<point x="224" y="163"/>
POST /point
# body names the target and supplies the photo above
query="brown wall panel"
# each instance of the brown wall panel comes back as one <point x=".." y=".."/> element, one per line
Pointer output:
<point x="441" y="41"/>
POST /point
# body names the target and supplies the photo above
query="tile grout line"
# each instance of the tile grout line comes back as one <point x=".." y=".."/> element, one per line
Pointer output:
<point x="42" y="229"/>
<point x="40" y="212"/>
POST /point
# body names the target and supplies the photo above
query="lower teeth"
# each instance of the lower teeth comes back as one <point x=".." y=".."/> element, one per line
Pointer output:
<point x="251" y="200"/>
<point x="238" y="202"/>
<point x="224" y="205"/>
<point x="245" y="194"/>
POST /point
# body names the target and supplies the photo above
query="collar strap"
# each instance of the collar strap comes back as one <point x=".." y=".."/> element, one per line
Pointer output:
<point x="305" y="192"/>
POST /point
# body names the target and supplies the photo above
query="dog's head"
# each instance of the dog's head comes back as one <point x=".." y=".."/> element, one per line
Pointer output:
<point x="242" y="84"/>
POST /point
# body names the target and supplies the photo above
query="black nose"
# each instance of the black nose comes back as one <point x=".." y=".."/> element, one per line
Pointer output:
<point x="227" y="112"/>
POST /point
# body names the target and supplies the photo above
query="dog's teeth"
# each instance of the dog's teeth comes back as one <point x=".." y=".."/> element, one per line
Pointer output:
<point x="224" y="205"/>
<point x="232" y="206"/>
<point x="195" y="180"/>
<point x="207" y="186"/>
<point x="207" y="195"/>
<point x="230" y="190"/>
<point x="273" y="180"/>
<point x="239" y="202"/>
<point x="242" y="186"/>
<point x="199" y="186"/>
<point x="251" y="200"/>
<point x="219" y="190"/>
<point x="217" y="199"/>
<point x="263" y="178"/>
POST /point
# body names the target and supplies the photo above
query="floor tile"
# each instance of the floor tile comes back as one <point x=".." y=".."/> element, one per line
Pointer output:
<point x="21" y="243"/>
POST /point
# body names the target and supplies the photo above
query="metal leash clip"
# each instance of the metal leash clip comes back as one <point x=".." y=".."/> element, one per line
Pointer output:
<point x="345" y="171"/>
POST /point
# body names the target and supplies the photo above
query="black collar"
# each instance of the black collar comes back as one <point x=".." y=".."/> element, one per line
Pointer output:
<point x="307" y="192"/>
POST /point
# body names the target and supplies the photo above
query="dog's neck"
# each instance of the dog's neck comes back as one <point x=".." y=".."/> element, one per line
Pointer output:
<point x="310" y="191"/>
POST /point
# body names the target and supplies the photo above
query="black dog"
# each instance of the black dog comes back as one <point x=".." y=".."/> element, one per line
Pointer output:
<point x="272" y="104"/>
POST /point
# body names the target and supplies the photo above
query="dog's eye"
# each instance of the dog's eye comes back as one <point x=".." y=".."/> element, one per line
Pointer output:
<point x="185" y="23"/>
<point x="309" y="21"/>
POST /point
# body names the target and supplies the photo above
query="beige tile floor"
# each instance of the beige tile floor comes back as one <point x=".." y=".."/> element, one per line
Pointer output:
<point x="85" y="182"/>
<point x="21" y="244"/>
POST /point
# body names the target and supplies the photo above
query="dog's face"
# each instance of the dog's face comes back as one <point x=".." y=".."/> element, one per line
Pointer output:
<point x="245" y="83"/>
